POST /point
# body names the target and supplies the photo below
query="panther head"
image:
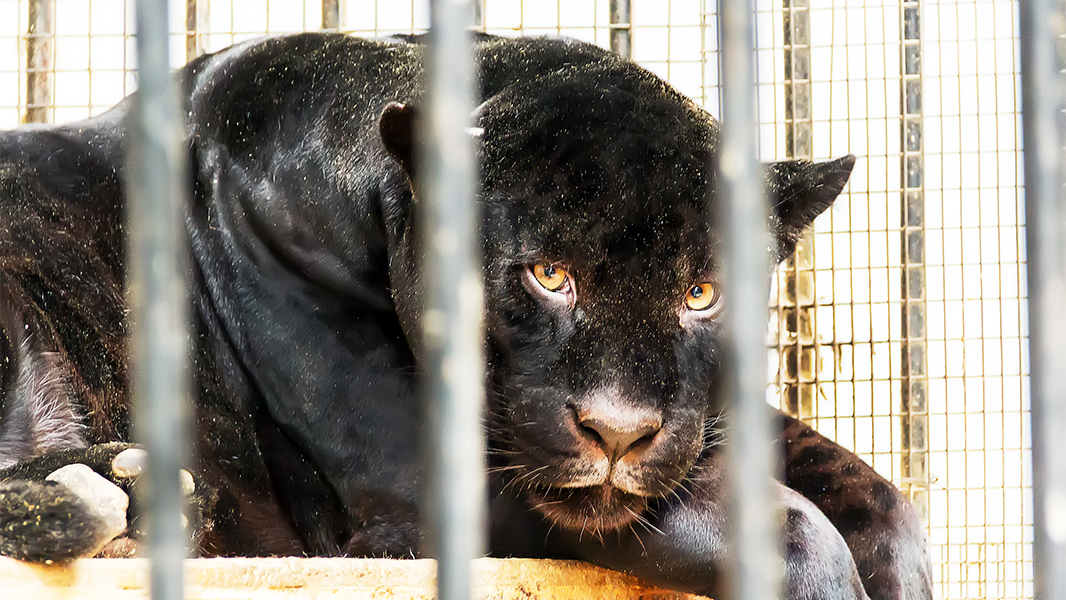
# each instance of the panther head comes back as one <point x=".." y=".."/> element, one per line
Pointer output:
<point x="603" y="284"/>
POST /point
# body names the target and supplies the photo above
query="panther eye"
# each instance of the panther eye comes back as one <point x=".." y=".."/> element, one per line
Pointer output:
<point x="551" y="277"/>
<point x="550" y="284"/>
<point x="701" y="296"/>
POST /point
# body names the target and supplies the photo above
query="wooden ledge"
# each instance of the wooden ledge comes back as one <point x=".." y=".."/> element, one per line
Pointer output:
<point x="335" y="578"/>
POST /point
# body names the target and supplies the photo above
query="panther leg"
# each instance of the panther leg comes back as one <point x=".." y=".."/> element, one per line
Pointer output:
<point x="682" y="544"/>
<point x="43" y="520"/>
<point x="878" y="523"/>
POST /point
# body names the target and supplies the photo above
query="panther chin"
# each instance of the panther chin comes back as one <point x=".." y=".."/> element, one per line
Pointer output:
<point x="595" y="510"/>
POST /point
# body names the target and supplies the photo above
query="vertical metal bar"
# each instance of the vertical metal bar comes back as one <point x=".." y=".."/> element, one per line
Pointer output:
<point x="1044" y="135"/>
<point x="40" y="65"/>
<point x="195" y="22"/>
<point x="799" y="121"/>
<point x="708" y="47"/>
<point x="797" y="348"/>
<point x="914" y="411"/>
<point x="455" y="512"/>
<point x="479" y="15"/>
<point x="158" y="303"/>
<point x="756" y="567"/>
<point x="332" y="14"/>
<point x="621" y="28"/>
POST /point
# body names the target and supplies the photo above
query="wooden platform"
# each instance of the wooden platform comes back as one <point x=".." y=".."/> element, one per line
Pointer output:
<point x="307" y="578"/>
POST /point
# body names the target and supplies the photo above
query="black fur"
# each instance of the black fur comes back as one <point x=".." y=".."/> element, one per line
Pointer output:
<point x="42" y="521"/>
<point x="304" y="240"/>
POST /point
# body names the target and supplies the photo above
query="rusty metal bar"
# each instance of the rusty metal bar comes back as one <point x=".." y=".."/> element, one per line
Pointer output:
<point x="914" y="410"/>
<point x="332" y="14"/>
<point x="621" y="28"/>
<point x="196" y="15"/>
<point x="797" y="344"/>
<point x="40" y="62"/>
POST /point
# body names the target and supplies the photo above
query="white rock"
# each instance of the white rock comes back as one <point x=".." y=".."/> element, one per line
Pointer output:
<point x="129" y="463"/>
<point x="105" y="499"/>
<point x="188" y="485"/>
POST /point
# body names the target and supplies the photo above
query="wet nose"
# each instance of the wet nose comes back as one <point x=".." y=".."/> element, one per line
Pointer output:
<point x="620" y="429"/>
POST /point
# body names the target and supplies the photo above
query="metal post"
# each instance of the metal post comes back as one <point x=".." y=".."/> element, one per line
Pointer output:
<point x="455" y="466"/>
<point x="40" y="40"/>
<point x="158" y="303"/>
<point x="195" y="22"/>
<point x="1044" y="135"/>
<point x="797" y="342"/>
<point x="756" y="569"/>
<point x="914" y="409"/>
<point x="479" y="15"/>
<point x="799" y="120"/>
<point x="332" y="14"/>
<point x="621" y="28"/>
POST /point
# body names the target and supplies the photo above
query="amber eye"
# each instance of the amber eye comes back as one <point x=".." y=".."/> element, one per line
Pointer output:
<point x="701" y="296"/>
<point x="551" y="277"/>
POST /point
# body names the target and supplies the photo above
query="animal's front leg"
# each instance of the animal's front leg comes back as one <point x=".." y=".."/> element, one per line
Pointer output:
<point x="77" y="503"/>
<point x="880" y="526"/>
<point x="682" y="545"/>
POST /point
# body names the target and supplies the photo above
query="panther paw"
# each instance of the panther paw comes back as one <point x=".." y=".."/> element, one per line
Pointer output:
<point x="105" y="500"/>
<point x="45" y="522"/>
<point x="77" y="503"/>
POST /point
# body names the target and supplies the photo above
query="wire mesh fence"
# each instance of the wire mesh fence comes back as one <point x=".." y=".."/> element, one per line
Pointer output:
<point x="898" y="328"/>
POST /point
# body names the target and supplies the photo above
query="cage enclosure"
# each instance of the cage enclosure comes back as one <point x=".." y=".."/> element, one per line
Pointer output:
<point x="898" y="328"/>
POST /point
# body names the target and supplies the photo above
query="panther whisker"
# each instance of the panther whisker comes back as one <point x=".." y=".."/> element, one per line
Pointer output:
<point x="633" y="530"/>
<point x="525" y="479"/>
<point x="673" y="490"/>
<point x="502" y="469"/>
<point x="644" y="521"/>
<point x="502" y="452"/>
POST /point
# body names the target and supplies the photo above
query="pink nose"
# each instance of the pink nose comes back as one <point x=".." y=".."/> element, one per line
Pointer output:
<point x="619" y="429"/>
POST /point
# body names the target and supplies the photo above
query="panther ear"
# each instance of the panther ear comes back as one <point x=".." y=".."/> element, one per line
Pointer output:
<point x="398" y="127"/>
<point x="800" y="191"/>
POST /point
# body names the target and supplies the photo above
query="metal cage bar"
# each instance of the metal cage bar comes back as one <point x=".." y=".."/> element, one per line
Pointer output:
<point x="157" y="294"/>
<point x="40" y="62"/>
<point x="332" y="14"/>
<point x="914" y="384"/>
<point x="755" y="570"/>
<point x="455" y="504"/>
<point x="195" y="20"/>
<point x="797" y="344"/>
<point x="479" y="15"/>
<point x="977" y="424"/>
<point x="621" y="28"/>
<point x="1044" y="136"/>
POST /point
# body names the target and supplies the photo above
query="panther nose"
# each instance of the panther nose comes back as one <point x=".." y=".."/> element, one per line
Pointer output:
<point x="620" y="430"/>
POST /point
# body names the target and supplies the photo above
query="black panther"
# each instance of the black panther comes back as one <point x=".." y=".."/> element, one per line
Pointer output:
<point x="603" y="314"/>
